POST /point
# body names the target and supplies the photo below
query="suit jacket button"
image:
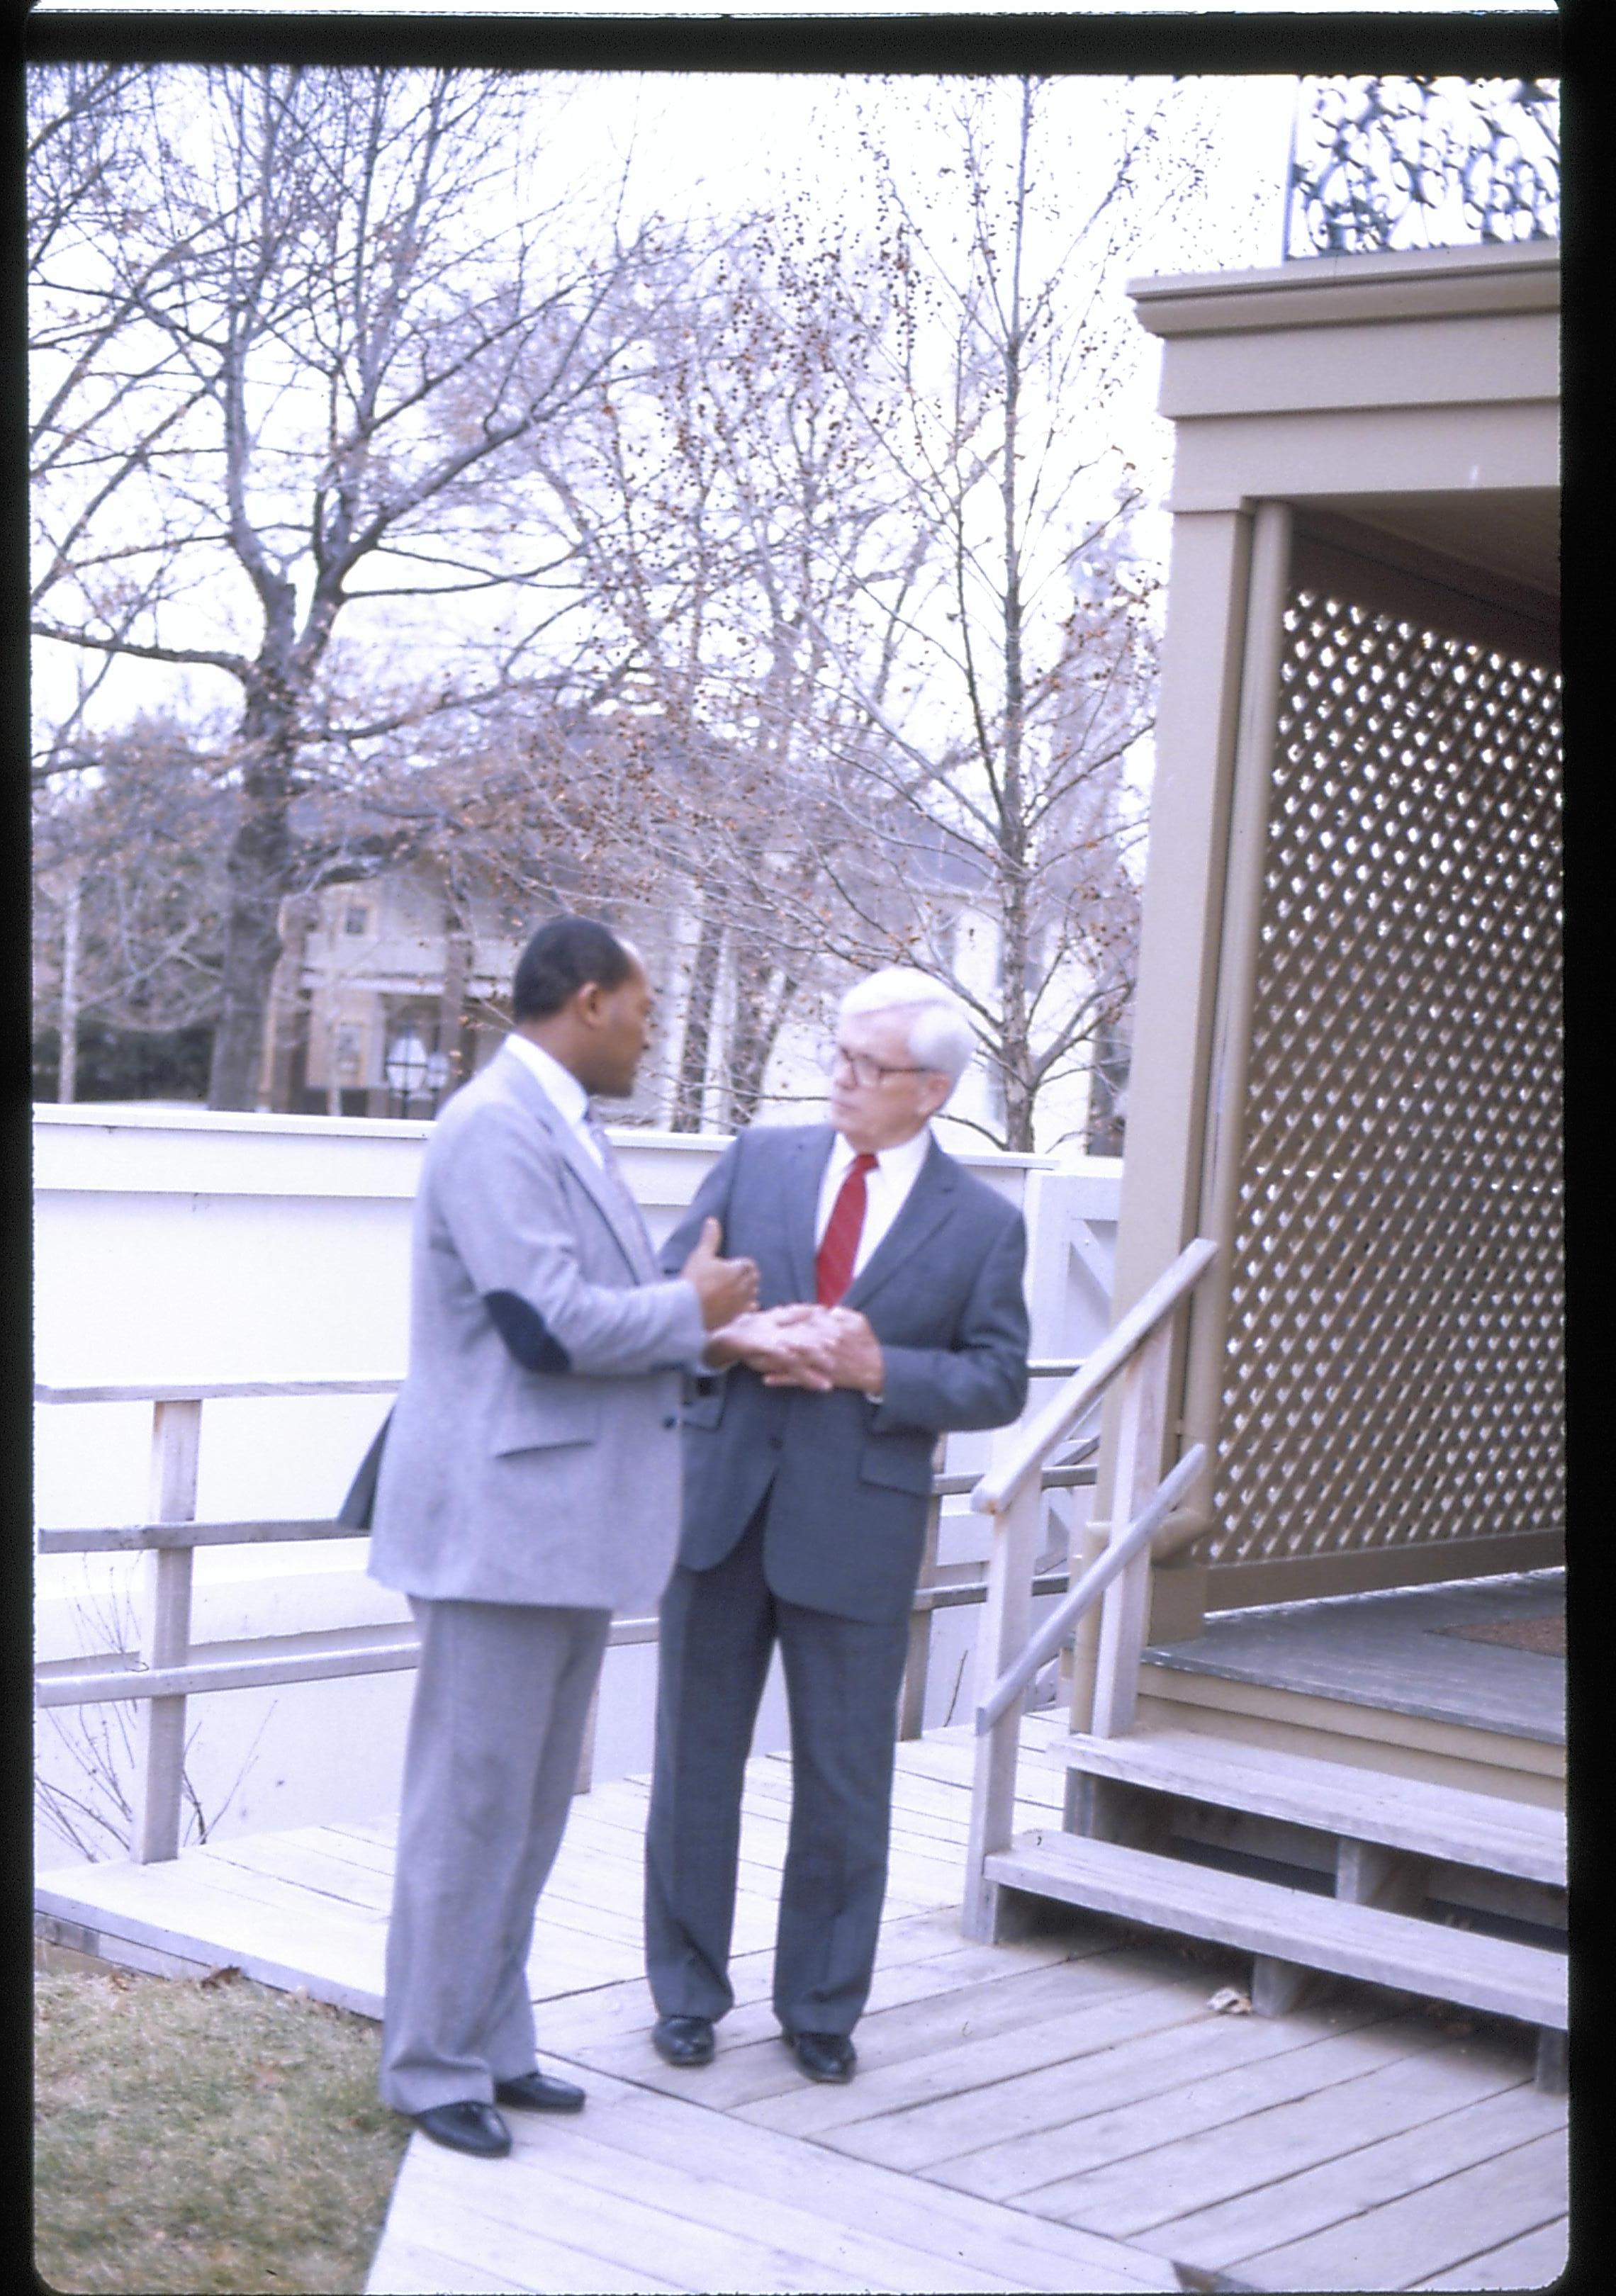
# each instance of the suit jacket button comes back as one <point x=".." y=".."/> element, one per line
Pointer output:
<point x="776" y="1442"/>
<point x="672" y="1419"/>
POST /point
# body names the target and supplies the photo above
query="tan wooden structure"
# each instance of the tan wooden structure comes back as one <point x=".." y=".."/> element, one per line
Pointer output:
<point x="1339" y="1271"/>
<point x="1347" y="1058"/>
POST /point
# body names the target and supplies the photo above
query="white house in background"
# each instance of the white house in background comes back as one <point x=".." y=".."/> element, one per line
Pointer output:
<point x="384" y="1000"/>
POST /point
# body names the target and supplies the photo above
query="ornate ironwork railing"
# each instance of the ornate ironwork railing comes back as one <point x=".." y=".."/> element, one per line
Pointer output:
<point x="1421" y="161"/>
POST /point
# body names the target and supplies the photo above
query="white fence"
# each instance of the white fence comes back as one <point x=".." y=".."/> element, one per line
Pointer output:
<point x="175" y="1245"/>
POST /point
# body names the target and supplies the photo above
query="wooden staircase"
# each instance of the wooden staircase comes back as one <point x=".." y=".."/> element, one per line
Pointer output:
<point x="1390" y="1833"/>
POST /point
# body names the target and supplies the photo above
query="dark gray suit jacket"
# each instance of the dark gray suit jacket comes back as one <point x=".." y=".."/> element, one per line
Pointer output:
<point x="850" y="1478"/>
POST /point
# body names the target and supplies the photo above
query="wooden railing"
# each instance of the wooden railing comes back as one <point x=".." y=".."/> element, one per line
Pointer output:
<point x="1008" y="1654"/>
<point x="163" y="1672"/>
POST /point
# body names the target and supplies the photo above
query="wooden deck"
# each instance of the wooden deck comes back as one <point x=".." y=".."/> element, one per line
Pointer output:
<point x="1402" y="1651"/>
<point x="1064" y="2114"/>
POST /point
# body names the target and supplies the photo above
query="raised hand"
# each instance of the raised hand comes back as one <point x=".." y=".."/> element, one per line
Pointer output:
<point x="726" y="1288"/>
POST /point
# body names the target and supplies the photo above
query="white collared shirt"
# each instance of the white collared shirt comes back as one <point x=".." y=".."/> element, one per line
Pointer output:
<point x="570" y="1101"/>
<point x="886" y="1189"/>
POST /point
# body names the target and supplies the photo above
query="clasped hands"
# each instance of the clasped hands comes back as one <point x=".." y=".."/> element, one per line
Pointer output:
<point x="802" y="1345"/>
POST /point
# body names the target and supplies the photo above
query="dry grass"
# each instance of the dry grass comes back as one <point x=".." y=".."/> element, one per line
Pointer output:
<point x="207" y="2136"/>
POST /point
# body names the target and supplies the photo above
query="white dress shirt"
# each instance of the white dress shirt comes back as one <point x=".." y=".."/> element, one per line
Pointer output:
<point x="886" y="1189"/>
<point x="570" y="1101"/>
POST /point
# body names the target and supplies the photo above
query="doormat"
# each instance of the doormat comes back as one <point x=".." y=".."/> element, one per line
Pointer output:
<point x="1545" y="1634"/>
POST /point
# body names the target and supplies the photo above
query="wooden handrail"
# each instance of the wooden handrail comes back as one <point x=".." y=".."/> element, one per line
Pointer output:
<point x="382" y="1655"/>
<point x="1009" y="1651"/>
<point x="214" y="1390"/>
<point x="207" y="1390"/>
<point x="163" y="1674"/>
<point x="1088" y="1383"/>
<point x="1119" y="1552"/>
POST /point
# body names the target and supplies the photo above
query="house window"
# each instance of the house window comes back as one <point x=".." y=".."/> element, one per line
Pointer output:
<point x="356" y="919"/>
<point x="351" y="1051"/>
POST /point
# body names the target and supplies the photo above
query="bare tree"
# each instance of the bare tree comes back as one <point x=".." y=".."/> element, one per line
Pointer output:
<point x="288" y="353"/>
<point x="716" y="513"/>
<point x="868" y="541"/>
<point x="129" y="887"/>
<point x="968" y="623"/>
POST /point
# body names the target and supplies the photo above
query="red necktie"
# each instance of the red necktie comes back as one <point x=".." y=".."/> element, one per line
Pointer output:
<point x="839" y="1248"/>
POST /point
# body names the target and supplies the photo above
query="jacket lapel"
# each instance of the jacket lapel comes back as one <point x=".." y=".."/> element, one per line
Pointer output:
<point x="926" y="1207"/>
<point x="811" y="1152"/>
<point x="616" y="1206"/>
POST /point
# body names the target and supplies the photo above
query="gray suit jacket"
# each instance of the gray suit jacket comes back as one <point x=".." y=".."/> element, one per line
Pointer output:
<point x="533" y="1455"/>
<point x="849" y="1480"/>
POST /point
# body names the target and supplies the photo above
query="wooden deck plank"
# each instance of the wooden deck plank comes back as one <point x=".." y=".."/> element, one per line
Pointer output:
<point x="484" y="2227"/>
<point x="1179" y="2075"/>
<point x="1362" y="2184"/>
<point x="1367" y="1805"/>
<point x="921" y="1953"/>
<point x="960" y="2039"/>
<point x="621" y="2226"/>
<point x="1388" y="1652"/>
<point x="1031" y="2253"/>
<point x="703" y="2191"/>
<point x="750" y="2061"/>
<point x="1537" y="2260"/>
<point x="1441" y="2225"/>
<point x="415" y="2269"/>
<point x="201" y="1919"/>
<point x="1118" y="2004"/>
<point x="1148" y="2187"/>
<point x="1360" y="1941"/>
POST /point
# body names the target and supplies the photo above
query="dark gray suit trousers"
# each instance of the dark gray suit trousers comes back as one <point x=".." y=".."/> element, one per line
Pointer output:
<point x="842" y="1680"/>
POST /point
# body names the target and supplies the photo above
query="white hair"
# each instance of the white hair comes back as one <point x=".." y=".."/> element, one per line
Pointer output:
<point x="941" y="1035"/>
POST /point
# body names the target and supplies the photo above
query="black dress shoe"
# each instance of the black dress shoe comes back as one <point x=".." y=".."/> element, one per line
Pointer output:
<point x="536" y="2092"/>
<point x="684" y="2040"/>
<point x="823" y="2056"/>
<point x="471" y="2126"/>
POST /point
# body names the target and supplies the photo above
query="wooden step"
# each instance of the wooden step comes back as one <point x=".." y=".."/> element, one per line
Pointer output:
<point x="1441" y="1822"/>
<point x="1528" y="1982"/>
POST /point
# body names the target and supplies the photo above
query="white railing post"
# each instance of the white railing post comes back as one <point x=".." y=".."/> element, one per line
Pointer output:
<point x="912" y="1698"/>
<point x="1005" y="1624"/>
<point x="164" y="1634"/>
<point x="1127" y="1601"/>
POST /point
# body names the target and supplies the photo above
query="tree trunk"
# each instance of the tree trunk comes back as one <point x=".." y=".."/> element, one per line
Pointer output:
<point x="698" y="1028"/>
<point x="1110" y="1058"/>
<point x="259" y="870"/>
<point x="287" y="1014"/>
<point x="760" y="1008"/>
<point x="453" y="1036"/>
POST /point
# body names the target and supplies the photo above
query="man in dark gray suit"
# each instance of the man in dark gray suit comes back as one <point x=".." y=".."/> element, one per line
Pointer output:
<point x="892" y="1309"/>
<point x="545" y="1352"/>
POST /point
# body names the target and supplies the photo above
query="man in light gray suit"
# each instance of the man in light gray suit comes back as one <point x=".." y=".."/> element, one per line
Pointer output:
<point x="892" y="1309"/>
<point x="528" y="1486"/>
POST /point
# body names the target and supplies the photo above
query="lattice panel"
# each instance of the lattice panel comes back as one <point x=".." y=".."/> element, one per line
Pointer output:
<point x="1393" y="1367"/>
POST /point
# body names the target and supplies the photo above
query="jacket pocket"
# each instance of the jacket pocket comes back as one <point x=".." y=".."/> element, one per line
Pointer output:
<point x="543" y="1423"/>
<point x="706" y="1409"/>
<point x="898" y="1468"/>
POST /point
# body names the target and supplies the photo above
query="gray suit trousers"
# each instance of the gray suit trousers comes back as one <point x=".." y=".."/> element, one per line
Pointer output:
<point x="842" y="1679"/>
<point x="502" y="1696"/>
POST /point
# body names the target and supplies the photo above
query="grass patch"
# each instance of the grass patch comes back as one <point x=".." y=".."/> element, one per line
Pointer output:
<point x="205" y="2137"/>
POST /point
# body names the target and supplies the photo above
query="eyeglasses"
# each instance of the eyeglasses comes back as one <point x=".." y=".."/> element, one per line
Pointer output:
<point x="859" y="1066"/>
